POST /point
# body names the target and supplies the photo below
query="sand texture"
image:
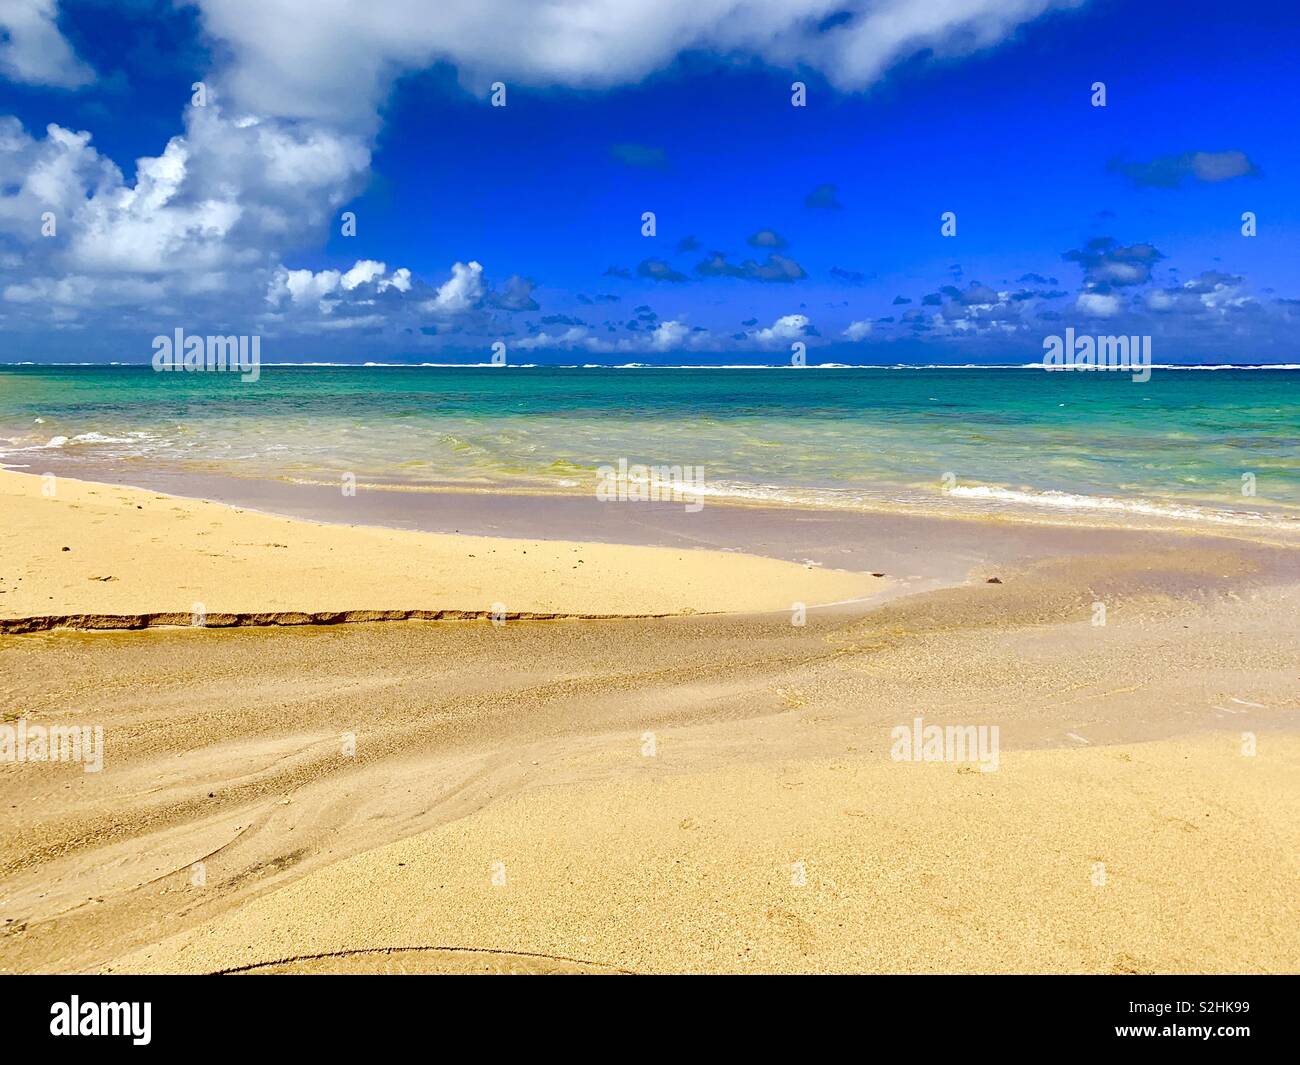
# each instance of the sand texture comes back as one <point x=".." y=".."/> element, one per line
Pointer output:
<point x="699" y="793"/>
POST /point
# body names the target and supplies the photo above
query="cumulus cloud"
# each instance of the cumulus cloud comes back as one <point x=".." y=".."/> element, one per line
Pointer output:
<point x="32" y="49"/>
<point x="517" y="295"/>
<point x="665" y="337"/>
<point x="1100" y="305"/>
<point x="978" y="295"/>
<point x="459" y="293"/>
<point x="775" y="267"/>
<point x="365" y="271"/>
<point x="1024" y="294"/>
<point x="658" y="270"/>
<point x="338" y="65"/>
<point x="304" y="287"/>
<point x="58" y="174"/>
<point x="1107" y="262"/>
<point x="76" y="291"/>
<point x="1170" y="171"/>
<point x="668" y="335"/>
<point x="226" y="199"/>
<point x="1209" y="310"/>
<point x="976" y="310"/>
<point x="576" y="336"/>
<point x="766" y="238"/>
<point x="787" y="327"/>
<point x="1211" y="292"/>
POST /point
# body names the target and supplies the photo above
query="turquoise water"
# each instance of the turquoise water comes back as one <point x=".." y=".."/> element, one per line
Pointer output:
<point x="866" y="437"/>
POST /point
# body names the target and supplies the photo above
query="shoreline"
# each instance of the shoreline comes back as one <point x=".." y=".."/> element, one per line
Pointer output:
<point x="94" y="555"/>
<point x="424" y="508"/>
<point x="629" y="560"/>
<point x="1275" y="525"/>
<point x="784" y="365"/>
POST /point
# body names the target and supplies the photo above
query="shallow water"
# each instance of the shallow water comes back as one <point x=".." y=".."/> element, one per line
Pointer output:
<point x="1186" y="444"/>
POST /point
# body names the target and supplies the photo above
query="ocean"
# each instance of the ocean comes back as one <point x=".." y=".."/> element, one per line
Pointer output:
<point x="1199" y="445"/>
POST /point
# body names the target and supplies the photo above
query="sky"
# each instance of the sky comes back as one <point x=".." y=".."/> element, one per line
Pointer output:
<point x="395" y="181"/>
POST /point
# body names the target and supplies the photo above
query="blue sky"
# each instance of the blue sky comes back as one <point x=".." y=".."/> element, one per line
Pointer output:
<point x="774" y="224"/>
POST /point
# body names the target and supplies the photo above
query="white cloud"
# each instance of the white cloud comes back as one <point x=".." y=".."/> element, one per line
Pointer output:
<point x="362" y="273"/>
<point x="362" y="322"/>
<point x="78" y="290"/>
<point x="1220" y="166"/>
<point x="857" y="330"/>
<point x="226" y="197"/>
<point x="148" y="227"/>
<point x="787" y="327"/>
<point x="338" y="64"/>
<point x="226" y="192"/>
<point x="55" y="174"/>
<point x="305" y="288"/>
<point x="301" y="286"/>
<point x="461" y="292"/>
<point x="32" y="49"/>
<point x="1101" y="305"/>
<point x="668" y="335"/>
<point x="572" y="337"/>
<point x="1222" y="295"/>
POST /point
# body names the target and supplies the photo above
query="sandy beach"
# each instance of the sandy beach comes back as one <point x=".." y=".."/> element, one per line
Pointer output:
<point x="684" y="782"/>
<point x="100" y="556"/>
<point x="563" y="489"/>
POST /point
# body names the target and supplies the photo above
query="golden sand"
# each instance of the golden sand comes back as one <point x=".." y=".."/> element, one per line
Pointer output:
<point x="1165" y="857"/>
<point x="684" y="794"/>
<point x="97" y="555"/>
